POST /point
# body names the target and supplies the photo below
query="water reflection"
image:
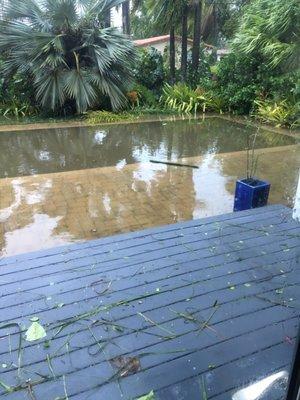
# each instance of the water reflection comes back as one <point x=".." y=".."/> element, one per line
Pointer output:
<point x="46" y="210"/>
<point x="57" y="150"/>
<point x="265" y="386"/>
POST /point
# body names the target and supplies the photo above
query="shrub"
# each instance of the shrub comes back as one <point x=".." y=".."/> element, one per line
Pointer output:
<point x="240" y="80"/>
<point x="184" y="99"/>
<point x="281" y="113"/>
<point x="17" y="98"/>
<point x="100" y="117"/>
<point x="203" y="73"/>
<point x="133" y="98"/>
<point x="15" y="108"/>
<point x="237" y="82"/>
<point x="142" y="96"/>
<point x="150" y="70"/>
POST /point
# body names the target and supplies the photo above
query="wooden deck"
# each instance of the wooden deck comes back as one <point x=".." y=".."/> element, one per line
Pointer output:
<point x="193" y="310"/>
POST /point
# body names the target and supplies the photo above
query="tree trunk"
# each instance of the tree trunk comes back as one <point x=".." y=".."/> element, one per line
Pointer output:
<point x="197" y="35"/>
<point x="126" y="18"/>
<point x="172" y="55"/>
<point x="215" y="26"/>
<point x="107" y="19"/>
<point x="184" y="37"/>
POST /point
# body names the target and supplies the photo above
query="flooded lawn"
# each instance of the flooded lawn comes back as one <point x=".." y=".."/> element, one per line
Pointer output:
<point x="63" y="185"/>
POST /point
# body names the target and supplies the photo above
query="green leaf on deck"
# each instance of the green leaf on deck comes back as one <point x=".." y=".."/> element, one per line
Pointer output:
<point x="149" y="396"/>
<point x="35" y="332"/>
<point x="6" y="387"/>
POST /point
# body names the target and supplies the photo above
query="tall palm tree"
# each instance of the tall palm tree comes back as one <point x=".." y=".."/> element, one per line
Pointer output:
<point x="169" y="15"/>
<point x="66" y="49"/>
<point x="126" y="17"/>
<point x="197" y="34"/>
<point x="184" y="39"/>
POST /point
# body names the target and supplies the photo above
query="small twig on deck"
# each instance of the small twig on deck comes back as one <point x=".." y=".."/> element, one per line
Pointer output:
<point x="65" y="388"/>
<point x="203" y="389"/>
<point x="282" y="303"/>
<point x="30" y="391"/>
<point x="50" y="366"/>
<point x="206" y="323"/>
<point x="191" y="318"/>
<point x="158" y="326"/>
<point x="15" y="325"/>
<point x="104" y="290"/>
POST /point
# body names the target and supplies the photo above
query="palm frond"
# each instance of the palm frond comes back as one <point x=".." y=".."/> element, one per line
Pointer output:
<point x="50" y="89"/>
<point x="271" y="28"/>
<point x="78" y="86"/>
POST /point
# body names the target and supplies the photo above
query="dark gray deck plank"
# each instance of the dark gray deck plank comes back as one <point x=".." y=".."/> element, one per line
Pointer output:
<point x="128" y="292"/>
<point x="172" y="371"/>
<point x="87" y="265"/>
<point x="138" y="278"/>
<point x="187" y="333"/>
<point x="190" y="286"/>
<point x="251" y="368"/>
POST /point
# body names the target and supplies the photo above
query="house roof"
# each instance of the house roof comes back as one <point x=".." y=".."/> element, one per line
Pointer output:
<point x="161" y="39"/>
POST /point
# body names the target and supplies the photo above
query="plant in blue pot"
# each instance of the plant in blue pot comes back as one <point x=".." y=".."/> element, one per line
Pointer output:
<point x="251" y="192"/>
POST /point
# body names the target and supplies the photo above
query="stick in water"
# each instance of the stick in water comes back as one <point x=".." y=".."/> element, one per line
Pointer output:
<point x="173" y="163"/>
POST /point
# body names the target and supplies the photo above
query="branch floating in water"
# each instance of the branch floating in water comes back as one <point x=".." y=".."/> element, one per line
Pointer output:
<point x="174" y="164"/>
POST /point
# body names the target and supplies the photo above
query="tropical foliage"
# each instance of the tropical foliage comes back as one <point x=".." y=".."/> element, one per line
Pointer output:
<point x="184" y="99"/>
<point x="64" y="56"/>
<point x="280" y="114"/>
<point x="142" y="96"/>
<point x="17" y="109"/>
<point x="271" y="29"/>
<point x="65" y="49"/>
<point x="240" y="80"/>
<point x="149" y="70"/>
<point x="100" y="117"/>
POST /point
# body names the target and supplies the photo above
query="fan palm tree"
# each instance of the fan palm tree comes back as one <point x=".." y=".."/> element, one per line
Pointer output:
<point x="66" y="49"/>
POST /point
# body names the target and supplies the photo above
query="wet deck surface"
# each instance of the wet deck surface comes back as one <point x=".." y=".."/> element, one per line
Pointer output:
<point x="191" y="311"/>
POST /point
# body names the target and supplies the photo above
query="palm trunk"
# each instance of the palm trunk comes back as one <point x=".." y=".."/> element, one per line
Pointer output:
<point x="197" y="35"/>
<point x="126" y="17"/>
<point x="184" y="48"/>
<point x="172" y="54"/>
<point x="215" y="26"/>
<point x="107" y="19"/>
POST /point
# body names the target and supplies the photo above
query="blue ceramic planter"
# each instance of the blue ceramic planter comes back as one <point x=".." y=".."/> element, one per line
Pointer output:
<point x="251" y="193"/>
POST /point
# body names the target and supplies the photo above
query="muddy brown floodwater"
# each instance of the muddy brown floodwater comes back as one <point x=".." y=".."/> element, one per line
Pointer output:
<point x="63" y="185"/>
